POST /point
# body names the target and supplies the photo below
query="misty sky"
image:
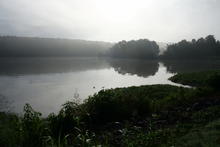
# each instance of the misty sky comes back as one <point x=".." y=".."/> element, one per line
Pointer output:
<point x="111" y="20"/>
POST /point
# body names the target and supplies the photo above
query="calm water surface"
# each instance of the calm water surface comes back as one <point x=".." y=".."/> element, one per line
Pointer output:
<point x="47" y="83"/>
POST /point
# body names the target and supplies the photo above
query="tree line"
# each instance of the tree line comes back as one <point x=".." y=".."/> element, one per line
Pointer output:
<point x="142" y="48"/>
<point x="202" y="48"/>
<point x="11" y="46"/>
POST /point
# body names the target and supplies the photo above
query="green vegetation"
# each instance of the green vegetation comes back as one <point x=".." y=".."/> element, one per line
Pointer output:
<point x="203" y="48"/>
<point x="199" y="79"/>
<point x="207" y="136"/>
<point x="153" y="116"/>
<point x="142" y="49"/>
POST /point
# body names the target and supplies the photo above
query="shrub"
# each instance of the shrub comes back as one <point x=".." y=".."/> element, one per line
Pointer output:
<point x="10" y="130"/>
<point x="116" y="105"/>
<point x="32" y="127"/>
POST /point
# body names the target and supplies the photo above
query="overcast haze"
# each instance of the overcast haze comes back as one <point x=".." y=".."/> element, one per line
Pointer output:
<point x="111" y="20"/>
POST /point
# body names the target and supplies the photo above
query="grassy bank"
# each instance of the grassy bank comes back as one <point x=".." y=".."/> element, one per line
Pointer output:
<point x="199" y="79"/>
<point x="154" y="115"/>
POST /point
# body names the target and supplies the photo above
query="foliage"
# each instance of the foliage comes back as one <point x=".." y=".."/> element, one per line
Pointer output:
<point x="68" y="128"/>
<point x="142" y="48"/>
<point x="107" y="106"/>
<point x="10" y="130"/>
<point x="32" y="127"/>
<point x="125" y="103"/>
<point x="203" y="48"/>
<point x="206" y="136"/>
<point x="199" y="79"/>
<point x="206" y="115"/>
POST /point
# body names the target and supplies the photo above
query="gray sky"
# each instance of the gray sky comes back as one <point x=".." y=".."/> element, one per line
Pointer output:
<point x="111" y="20"/>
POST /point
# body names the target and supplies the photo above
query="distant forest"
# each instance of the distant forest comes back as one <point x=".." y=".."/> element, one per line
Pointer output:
<point x="203" y="48"/>
<point x="143" y="48"/>
<point x="44" y="47"/>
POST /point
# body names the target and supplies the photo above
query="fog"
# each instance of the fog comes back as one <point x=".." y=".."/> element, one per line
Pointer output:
<point x="111" y="20"/>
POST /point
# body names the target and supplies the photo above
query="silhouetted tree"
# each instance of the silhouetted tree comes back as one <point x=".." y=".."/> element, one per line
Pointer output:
<point x="203" y="48"/>
<point x="142" y="48"/>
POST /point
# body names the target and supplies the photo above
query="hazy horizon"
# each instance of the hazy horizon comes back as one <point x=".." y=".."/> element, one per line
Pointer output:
<point x="111" y="21"/>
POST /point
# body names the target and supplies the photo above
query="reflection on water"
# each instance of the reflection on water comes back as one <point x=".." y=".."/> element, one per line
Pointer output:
<point x="46" y="83"/>
<point x="142" y="68"/>
<point x="191" y="66"/>
<point x="31" y="66"/>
